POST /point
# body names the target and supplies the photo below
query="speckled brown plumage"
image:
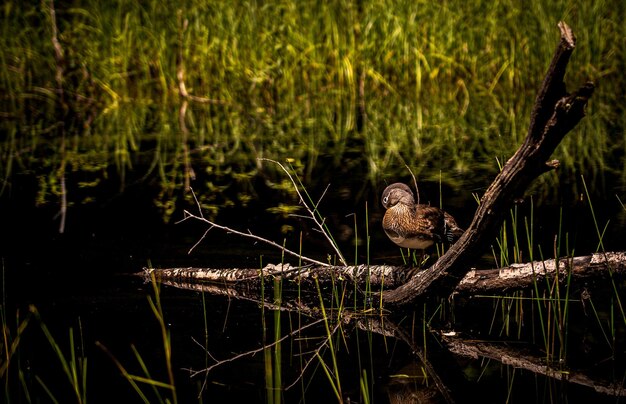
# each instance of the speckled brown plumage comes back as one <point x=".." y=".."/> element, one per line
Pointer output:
<point x="412" y="225"/>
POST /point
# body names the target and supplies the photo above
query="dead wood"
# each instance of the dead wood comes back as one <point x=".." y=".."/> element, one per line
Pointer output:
<point x="554" y="114"/>
<point x="517" y="276"/>
<point x="361" y="274"/>
<point x="242" y="282"/>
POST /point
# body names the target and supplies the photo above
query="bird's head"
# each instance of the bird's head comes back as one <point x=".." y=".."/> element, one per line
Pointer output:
<point x="397" y="193"/>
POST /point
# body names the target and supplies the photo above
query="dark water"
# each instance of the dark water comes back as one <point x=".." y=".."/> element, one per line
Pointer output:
<point x="82" y="280"/>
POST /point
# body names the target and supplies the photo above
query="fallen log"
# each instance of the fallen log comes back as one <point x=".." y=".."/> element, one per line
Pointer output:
<point x="515" y="354"/>
<point x="236" y="281"/>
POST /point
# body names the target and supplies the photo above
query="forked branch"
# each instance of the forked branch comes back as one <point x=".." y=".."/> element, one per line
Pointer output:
<point x="313" y="212"/>
<point x="554" y="114"/>
<point x="188" y="215"/>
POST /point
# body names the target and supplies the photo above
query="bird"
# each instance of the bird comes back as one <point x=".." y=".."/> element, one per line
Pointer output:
<point x="413" y="225"/>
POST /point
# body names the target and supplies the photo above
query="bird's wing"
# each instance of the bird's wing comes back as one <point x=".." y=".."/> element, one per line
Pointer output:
<point x="429" y="220"/>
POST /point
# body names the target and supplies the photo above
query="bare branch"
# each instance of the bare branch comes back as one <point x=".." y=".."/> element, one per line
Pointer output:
<point x="225" y="281"/>
<point x="315" y="354"/>
<point x="311" y="211"/>
<point x="188" y="215"/>
<point x="199" y="241"/>
<point x="255" y="237"/>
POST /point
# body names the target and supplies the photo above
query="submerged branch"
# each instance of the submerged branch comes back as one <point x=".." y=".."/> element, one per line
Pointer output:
<point x="194" y="373"/>
<point x="374" y="321"/>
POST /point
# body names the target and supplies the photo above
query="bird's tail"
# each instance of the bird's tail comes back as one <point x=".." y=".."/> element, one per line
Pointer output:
<point x="452" y="230"/>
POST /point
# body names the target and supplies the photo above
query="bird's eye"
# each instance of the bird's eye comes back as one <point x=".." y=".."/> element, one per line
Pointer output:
<point x="385" y="199"/>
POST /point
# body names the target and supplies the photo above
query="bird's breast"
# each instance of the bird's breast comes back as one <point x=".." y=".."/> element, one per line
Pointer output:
<point x="415" y="243"/>
<point x="407" y="230"/>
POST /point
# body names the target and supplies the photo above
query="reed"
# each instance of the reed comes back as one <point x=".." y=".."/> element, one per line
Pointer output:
<point x="12" y="333"/>
<point x="442" y="87"/>
<point x="600" y="235"/>
<point x="74" y="366"/>
<point x="550" y="301"/>
<point x="331" y="371"/>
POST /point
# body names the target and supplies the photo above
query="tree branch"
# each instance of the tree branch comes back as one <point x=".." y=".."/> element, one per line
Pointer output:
<point x="555" y="113"/>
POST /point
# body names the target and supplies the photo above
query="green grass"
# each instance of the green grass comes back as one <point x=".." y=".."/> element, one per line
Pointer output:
<point x="12" y="333"/>
<point x="601" y="249"/>
<point x="545" y="316"/>
<point x="73" y="363"/>
<point x="445" y="88"/>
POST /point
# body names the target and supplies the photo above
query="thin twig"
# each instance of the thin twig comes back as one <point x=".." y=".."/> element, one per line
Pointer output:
<point x="188" y="215"/>
<point x="311" y="211"/>
<point x="199" y="241"/>
<point x="322" y="197"/>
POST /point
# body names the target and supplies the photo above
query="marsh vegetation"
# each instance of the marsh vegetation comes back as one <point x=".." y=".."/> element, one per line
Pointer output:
<point x="357" y="88"/>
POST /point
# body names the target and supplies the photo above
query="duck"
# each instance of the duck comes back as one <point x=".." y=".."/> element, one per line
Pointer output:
<point x="412" y="225"/>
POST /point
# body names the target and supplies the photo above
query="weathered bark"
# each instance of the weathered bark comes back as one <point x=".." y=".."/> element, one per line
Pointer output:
<point x="554" y="114"/>
<point x="520" y="358"/>
<point x="517" y="276"/>
<point x="390" y="276"/>
<point x="238" y="282"/>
